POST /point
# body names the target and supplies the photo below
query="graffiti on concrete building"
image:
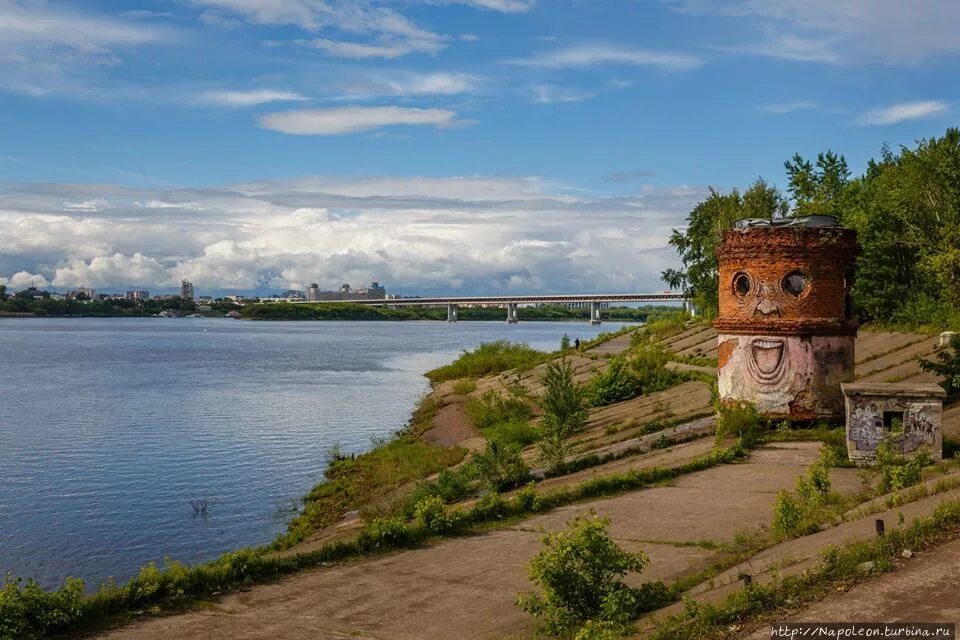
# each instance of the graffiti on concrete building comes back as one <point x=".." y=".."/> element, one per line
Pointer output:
<point x="908" y="416"/>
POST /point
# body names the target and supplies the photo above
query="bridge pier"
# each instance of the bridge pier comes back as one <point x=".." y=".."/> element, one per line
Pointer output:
<point x="594" y="313"/>
<point x="512" y="313"/>
<point x="452" y="312"/>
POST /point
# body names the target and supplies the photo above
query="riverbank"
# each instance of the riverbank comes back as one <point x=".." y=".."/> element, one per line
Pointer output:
<point x="651" y="457"/>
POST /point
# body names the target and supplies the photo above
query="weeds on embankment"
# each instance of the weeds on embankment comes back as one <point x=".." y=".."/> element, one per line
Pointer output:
<point x="488" y="359"/>
<point x="844" y="565"/>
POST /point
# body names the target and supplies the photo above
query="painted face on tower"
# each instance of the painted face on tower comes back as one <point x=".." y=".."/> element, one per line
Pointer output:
<point x="767" y="296"/>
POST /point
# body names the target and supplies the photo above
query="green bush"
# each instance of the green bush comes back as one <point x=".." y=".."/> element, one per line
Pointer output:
<point x="487" y="359"/>
<point x="494" y="408"/>
<point x="514" y="434"/>
<point x="896" y="470"/>
<point x="649" y="366"/>
<point x="614" y="384"/>
<point x="385" y="533"/>
<point x="578" y="571"/>
<point x="500" y="467"/>
<point x="797" y="513"/>
<point x="740" y="420"/>
<point x="431" y="514"/>
<point x="28" y="612"/>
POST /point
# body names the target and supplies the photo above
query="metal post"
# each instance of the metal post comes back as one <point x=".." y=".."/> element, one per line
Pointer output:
<point x="451" y="313"/>
<point x="594" y="313"/>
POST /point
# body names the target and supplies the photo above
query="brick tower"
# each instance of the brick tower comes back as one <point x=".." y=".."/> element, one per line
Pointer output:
<point x="786" y="329"/>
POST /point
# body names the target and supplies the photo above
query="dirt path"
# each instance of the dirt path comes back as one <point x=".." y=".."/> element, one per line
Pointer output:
<point x="466" y="587"/>
<point x="923" y="590"/>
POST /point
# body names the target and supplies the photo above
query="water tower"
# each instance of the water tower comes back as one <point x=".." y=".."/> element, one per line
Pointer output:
<point x="786" y="328"/>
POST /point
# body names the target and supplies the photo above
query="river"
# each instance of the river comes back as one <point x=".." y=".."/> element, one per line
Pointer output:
<point x="110" y="428"/>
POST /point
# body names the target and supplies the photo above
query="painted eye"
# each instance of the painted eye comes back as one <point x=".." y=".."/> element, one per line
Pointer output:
<point x="741" y="284"/>
<point x="794" y="283"/>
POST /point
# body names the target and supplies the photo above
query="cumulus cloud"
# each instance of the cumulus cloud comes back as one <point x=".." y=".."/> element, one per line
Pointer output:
<point x="248" y="98"/>
<point x="22" y="280"/>
<point x="901" y="112"/>
<point x="607" y="54"/>
<point x="342" y="120"/>
<point x="419" y="235"/>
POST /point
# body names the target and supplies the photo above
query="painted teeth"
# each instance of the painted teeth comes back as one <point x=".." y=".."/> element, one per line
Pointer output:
<point x="766" y="344"/>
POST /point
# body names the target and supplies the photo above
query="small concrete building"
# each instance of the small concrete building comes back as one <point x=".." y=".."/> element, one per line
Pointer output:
<point x="909" y="415"/>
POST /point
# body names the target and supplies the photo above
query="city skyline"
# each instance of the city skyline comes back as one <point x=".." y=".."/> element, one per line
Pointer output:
<point x="445" y="147"/>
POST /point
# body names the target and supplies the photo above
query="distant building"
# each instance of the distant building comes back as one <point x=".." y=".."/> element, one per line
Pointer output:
<point x="82" y="293"/>
<point x="138" y="294"/>
<point x="186" y="290"/>
<point x="313" y="292"/>
<point x="292" y="294"/>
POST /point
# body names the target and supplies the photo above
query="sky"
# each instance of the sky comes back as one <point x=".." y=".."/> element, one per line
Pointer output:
<point x="436" y="146"/>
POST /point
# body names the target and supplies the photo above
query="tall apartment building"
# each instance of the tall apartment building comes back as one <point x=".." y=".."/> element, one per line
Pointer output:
<point x="139" y="294"/>
<point x="313" y="292"/>
<point x="186" y="290"/>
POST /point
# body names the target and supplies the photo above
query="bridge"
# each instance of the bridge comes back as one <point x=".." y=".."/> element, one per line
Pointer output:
<point x="512" y="302"/>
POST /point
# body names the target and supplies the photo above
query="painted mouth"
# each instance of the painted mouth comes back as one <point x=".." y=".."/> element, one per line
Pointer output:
<point x="767" y="355"/>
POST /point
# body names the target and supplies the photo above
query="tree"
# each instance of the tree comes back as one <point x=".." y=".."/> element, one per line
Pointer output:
<point x="817" y="189"/>
<point x="697" y="244"/>
<point x="564" y="413"/>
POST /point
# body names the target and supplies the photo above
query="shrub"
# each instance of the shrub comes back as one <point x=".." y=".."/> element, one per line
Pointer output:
<point x="796" y="513"/>
<point x="431" y="514"/>
<point x="615" y="384"/>
<point x="649" y="366"/>
<point x="500" y="467"/>
<point x="896" y="470"/>
<point x="494" y="408"/>
<point x="947" y="364"/>
<point x="578" y="570"/>
<point x="385" y="533"/>
<point x="600" y="630"/>
<point x="487" y="359"/>
<point x="515" y="433"/>
<point x="29" y="612"/>
<point x="740" y="420"/>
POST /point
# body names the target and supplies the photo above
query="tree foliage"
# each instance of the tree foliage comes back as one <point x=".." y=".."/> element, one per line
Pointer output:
<point x="564" y="413"/>
<point x="905" y="207"/>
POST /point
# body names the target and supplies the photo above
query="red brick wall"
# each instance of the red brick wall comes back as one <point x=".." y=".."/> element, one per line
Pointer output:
<point x="765" y="256"/>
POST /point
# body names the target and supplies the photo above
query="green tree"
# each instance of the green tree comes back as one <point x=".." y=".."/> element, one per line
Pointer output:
<point x="564" y="413"/>
<point x="697" y="244"/>
<point x="579" y="571"/>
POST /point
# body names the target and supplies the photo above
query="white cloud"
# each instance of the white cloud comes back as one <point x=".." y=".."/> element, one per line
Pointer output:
<point x="504" y="6"/>
<point x="550" y="93"/>
<point x="337" y="121"/>
<point x="833" y="31"/>
<point x="249" y="98"/>
<point x="23" y="22"/>
<point x="782" y="108"/>
<point x="388" y="49"/>
<point x="96" y="204"/>
<point x="901" y="112"/>
<point x="601" y="54"/>
<point x="22" y="280"/>
<point x="435" y="84"/>
<point x="416" y="234"/>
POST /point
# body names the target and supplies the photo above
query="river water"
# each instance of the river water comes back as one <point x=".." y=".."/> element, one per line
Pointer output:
<point x="110" y="428"/>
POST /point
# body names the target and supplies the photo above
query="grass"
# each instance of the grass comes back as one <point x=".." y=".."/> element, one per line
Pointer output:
<point x="494" y="408"/>
<point x="352" y="481"/>
<point x="465" y="386"/>
<point x="488" y="359"/>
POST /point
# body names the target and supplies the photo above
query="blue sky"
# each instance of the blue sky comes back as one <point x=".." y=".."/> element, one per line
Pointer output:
<point x="435" y="145"/>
